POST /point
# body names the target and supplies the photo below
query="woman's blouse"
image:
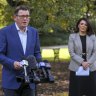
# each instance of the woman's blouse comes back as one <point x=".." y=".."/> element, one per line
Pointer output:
<point x="83" y="41"/>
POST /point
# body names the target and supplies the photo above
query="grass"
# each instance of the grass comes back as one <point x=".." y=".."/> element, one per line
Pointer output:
<point x="56" y="94"/>
<point x="49" y="54"/>
<point x="60" y="94"/>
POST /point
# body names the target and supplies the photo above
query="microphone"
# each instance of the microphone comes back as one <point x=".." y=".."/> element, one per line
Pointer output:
<point x="42" y="67"/>
<point x="33" y="67"/>
<point x="24" y="63"/>
<point x="48" y="67"/>
<point x="32" y="62"/>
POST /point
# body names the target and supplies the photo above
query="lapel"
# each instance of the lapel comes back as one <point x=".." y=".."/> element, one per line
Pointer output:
<point x="17" y="39"/>
<point x="30" y="40"/>
<point x="87" y="43"/>
<point x="78" y="42"/>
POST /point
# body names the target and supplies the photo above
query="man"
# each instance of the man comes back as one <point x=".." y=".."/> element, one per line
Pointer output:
<point x="17" y="41"/>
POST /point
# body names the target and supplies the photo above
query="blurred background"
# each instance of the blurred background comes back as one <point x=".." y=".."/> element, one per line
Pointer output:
<point x="55" y="20"/>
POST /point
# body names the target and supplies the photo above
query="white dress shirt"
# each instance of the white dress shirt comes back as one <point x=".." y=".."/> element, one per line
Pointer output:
<point x="23" y="37"/>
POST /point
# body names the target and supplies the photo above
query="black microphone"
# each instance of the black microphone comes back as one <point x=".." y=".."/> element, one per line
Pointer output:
<point x="42" y="67"/>
<point x="32" y="62"/>
<point x="33" y="67"/>
<point x="48" y="67"/>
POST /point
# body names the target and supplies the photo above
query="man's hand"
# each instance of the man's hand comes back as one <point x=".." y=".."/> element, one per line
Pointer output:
<point x="17" y="65"/>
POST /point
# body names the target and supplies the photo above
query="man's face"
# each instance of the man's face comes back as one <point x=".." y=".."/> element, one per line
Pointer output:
<point x="22" y="18"/>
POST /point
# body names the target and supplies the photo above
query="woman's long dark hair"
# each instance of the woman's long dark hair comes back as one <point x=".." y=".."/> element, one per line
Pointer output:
<point x="89" y="28"/>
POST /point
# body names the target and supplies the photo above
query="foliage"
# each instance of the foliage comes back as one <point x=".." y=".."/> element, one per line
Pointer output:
<point x="54" y="39"/>
<point x="51" y="16"/>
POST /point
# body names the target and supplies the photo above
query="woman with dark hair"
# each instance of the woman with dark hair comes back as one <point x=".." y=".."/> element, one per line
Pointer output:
<point x="82" y="49"/>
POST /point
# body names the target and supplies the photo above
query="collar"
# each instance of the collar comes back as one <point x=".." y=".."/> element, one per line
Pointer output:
<point x="19" y="28"/>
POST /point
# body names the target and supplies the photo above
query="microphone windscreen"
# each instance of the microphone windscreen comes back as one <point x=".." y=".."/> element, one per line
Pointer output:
<point x="32" y="62"/>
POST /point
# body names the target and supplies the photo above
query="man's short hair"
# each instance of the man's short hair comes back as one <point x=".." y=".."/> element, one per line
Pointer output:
<point x="21" y="7"/>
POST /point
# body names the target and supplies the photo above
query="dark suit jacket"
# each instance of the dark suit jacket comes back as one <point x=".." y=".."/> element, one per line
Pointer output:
<point x="11" y="50"/>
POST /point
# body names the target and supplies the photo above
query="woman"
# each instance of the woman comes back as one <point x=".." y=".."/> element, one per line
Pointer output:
<point x="82" y="49"/>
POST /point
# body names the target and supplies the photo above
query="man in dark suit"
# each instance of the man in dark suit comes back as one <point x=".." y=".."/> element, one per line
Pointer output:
<point x="17" y="41"/>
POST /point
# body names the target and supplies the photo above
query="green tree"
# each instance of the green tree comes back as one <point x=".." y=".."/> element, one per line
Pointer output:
<point x="51" y="16"/>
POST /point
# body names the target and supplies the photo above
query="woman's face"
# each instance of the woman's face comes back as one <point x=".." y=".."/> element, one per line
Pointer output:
<point x="82" y="26"/>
